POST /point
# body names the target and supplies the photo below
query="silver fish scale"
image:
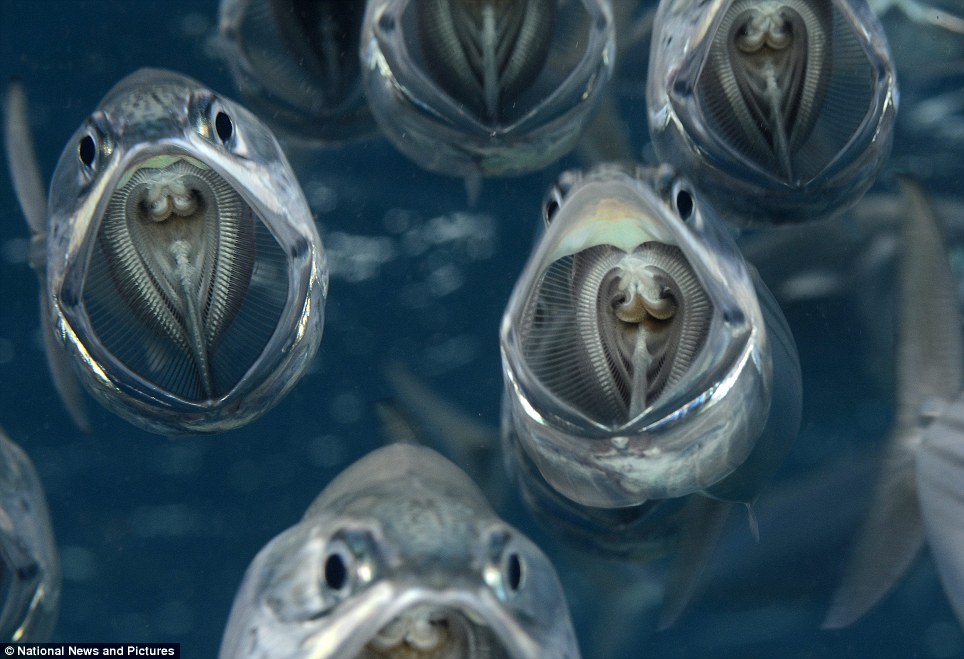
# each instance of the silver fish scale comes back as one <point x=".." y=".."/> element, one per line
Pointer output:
<point x="427" y="528"/>
<point x="150" y="109"/>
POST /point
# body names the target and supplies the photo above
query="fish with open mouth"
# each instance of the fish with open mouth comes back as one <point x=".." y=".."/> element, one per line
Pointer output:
<point x="779" y="110"/>
<point x="182" y="277"/>
<point x="643" y="359"/>
<point x="490" y="88"/>
<point x="297" y="64"/>
<point x="400" y="556"/>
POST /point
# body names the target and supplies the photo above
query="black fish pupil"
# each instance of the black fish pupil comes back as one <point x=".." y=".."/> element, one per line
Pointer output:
<point x="684" y="204"/>
<point x="513" y="572"/>
<point x="336" y="573"/>
<point x="223" y="126"/>
<point x="87" y="150"/>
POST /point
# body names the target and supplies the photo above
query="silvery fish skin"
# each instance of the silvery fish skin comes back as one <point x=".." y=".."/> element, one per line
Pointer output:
<point x="296" y="63"/>
<point x="642" y="358"/>
<point x="488" y="88"/>
<point x="780" y="110"/>
<point x="31" y="569"/>
<point x="185" y="278"/>
<point x="400" y="556"/>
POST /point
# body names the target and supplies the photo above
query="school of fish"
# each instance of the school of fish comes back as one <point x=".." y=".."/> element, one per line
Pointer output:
<point x="652" y="385"/>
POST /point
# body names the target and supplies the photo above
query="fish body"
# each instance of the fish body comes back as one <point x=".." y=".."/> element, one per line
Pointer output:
<point x="31" y="568"/>
<point x="400" y="556"/>
<point x="779" y="111"/>
<point x="184" y="278"/>
<point x="486" y="88"/>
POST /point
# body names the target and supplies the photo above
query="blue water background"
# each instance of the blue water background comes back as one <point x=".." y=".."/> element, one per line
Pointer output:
<point x="155" y="534"/>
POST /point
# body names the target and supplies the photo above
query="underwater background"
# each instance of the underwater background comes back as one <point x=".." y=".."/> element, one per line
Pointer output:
<point x="155" y="534"/>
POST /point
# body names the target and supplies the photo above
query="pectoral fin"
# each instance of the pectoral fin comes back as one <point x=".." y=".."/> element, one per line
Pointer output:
<point x="22" y="160"/>
<point x="698" y="536"/>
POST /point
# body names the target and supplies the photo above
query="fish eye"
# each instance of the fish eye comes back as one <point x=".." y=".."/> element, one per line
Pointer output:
<point x="336" y="571"/>
<point x="338" y="567"/>
<point x="223" y="126"/>
<point x="512" y="572"/>
<point x="551" y="206"/>
<point x="505" y="572"/>
<point x="557" y="193"/>
<point x="684" y="204"/>
<point x="213" y="120"/>
<point x="87" y="150"/>
<point x="347" y="563"/>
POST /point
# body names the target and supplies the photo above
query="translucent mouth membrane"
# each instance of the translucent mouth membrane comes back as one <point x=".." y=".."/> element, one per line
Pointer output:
<point x="179" y="260"/>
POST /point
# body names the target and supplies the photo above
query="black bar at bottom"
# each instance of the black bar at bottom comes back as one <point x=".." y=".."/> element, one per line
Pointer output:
<point x="164" y="650"/>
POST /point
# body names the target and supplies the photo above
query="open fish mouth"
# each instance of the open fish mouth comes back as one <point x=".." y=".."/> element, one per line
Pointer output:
<point x="184" y="284"/>
<point x="426" y="631"/>
<point x="609" y="331"/>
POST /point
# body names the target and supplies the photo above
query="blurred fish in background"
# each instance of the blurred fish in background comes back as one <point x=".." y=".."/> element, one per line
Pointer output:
<point x="30" y="598"/>
<point x="489" y="88"/>
<point x="922" y="465"/>
<point x="296" y="64"/>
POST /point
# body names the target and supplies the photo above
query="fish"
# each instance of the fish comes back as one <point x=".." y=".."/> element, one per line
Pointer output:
<point x="31" y="568"/>
<point x="400" y="556"/>
<point x="650" y="379"/>
<point x="479" y="89"/>
<point x="298" y="65"/>
<point x="924" y="445"/>
<point x="182" y="277"/>
<point x="642" y="358"/>
<point x="781" y="112"/>
<point x="633" y="466"/>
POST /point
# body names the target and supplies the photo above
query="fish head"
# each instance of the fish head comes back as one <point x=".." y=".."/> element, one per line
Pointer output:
<point x="781" y="110"/>
<point x="490" y="88"/>
<point x="400" y="557"/>
<point x="634" y="350"/>
<point x="296" y="63"/>
<point x="185" y="273"/>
